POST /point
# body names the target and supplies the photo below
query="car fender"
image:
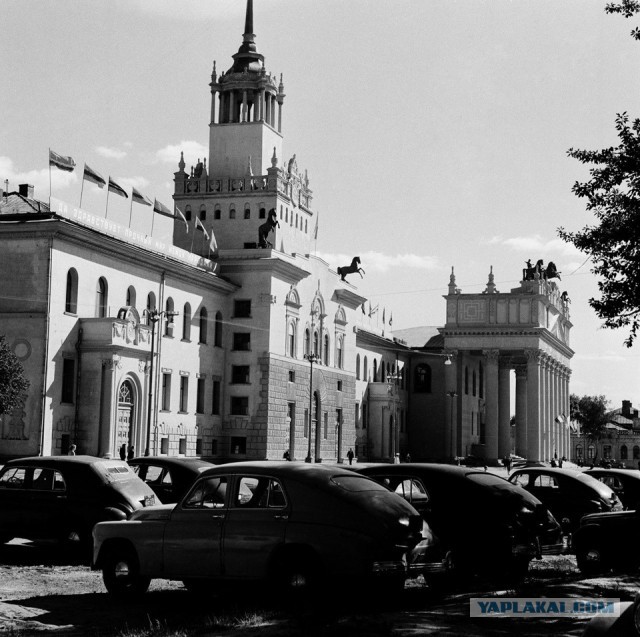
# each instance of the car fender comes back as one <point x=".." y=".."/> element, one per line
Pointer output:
<point x="586" y="533"/>
<point x="612" y="626"/>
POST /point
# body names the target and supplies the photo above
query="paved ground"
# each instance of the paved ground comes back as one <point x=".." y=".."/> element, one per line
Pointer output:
<point x="40" y="595"/>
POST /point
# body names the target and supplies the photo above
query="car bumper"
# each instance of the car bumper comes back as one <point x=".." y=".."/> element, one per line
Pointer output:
<point x="558" y="548"/>
<point x="389" y="567"/>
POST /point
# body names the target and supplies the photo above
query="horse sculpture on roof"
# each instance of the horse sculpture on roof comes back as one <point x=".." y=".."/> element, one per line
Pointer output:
<point x="550" y="272"/>
<point x="263" y="231"/>
<point x="351" y="269"/>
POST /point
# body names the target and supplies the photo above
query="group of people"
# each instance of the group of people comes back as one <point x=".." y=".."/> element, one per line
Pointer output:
<point x="127" y="453"/>
<point x="350" y="456"/>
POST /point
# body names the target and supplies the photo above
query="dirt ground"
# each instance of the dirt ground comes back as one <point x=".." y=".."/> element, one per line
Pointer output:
<point x="41" y="594"/>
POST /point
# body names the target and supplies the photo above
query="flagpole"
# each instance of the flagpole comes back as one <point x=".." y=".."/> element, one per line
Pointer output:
<point x="50" y="178"/>
<point x="106" y="210"/>
<point x="131" y="210"/>
<point x="82" y="188"/>
<point x="153" y="218"/>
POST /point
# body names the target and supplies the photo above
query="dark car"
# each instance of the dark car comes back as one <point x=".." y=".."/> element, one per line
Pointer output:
<point x="62" y="497"/>
<point x="293" y="525"/>
<point x="485" y="524"/>
<point x="624" y="622"/>
<point x="169" y="477"/>
<point x="568" y="494"/>
<point x="625" y="483"/>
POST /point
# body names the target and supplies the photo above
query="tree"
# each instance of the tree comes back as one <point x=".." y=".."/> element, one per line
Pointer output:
<point x="13" y="383"/>
<point x="591" y="413"/>
<point x="613" y="195"/>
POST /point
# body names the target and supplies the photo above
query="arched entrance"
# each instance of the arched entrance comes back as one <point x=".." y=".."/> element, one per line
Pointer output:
<point x="126" y="409"/>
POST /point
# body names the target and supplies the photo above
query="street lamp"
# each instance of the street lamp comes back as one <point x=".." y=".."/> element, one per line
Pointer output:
<point x="451" y="395"/>
<point x="153" y="316"/>
<point x="392" y="382"/>
<point x="313" y="357"/>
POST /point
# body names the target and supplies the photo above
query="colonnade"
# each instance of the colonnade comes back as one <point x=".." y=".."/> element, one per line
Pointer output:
<point x="247" y="105"/>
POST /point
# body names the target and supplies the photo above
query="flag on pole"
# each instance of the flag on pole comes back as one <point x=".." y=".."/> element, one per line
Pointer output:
<point x="391" y="319"/>
<point x="186" y="223"/>
<point x="384" y="310"/>
<point x="315" y="231"/>
<point x="119" y="190"/>
<point x="213" y="244"/>
<point x="138" y="197"/>
<point x="61" y="162"/>
<point x="161" y="209"/>
<point x="93" y="176"/>
<point x="200" y="226"/>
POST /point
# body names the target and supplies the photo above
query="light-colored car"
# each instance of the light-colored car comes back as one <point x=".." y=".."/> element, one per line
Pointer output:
<point x="292" y="524"/>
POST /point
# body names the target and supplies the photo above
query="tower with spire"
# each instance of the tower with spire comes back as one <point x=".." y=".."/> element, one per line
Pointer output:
<point x="247" y="178"/>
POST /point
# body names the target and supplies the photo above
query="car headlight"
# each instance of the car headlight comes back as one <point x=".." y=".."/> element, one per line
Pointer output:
<point x="404" y="520"/>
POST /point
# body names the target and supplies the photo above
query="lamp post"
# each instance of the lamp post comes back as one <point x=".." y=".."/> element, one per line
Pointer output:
<point x="451" y="395"/>
<point x="312" y="357"/>
<point x="392" y="383"/>
<point x="153" y="316"/>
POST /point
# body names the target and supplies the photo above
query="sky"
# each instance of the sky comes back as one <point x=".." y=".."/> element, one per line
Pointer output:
<point x="434" y="132"/>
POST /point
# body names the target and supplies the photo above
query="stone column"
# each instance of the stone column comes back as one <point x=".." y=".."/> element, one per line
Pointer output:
<point x="534" y="374"/>
<point x="232" y="106"/>
<point x="262" y="104"/>
<point x="504" y="407"/>
<point x="546" y="396"/>
<point x="106" y="434"/>
<point x="213" y="106"/>
<point x="521" y="410"/>
<point x="567" y="409"/>
<point x="492" y="410"/>
<point x="450" y="437"/>
<point x="244" y="106"/>
<point x="279" y="117"/>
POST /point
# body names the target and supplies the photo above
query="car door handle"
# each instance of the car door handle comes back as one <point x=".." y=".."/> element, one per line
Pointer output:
<point x="218" y="516"/>
<point x="283" y="516"/>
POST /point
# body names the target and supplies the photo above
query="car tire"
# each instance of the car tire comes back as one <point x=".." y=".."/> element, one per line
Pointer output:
<point x="298" y="575"/>
<point x="590" y="559"/>
<point x="121" y="574"/>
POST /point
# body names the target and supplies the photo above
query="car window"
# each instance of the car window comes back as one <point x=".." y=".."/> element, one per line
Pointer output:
<point x="259" y="493"/>
<point x="411" y="489"/>
<point x="521" y="479"/>
<point x="154" y="474"/>
<point x="612" y="482"/>
<point x="43" y="479"/>
<point x="167" y="481"/>
<point x="545" y="482"/>
<point x="13" y="478"/>
<point x="209" y="493"/>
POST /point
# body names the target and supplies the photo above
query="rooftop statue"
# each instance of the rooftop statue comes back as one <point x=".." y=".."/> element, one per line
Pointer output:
<point x="538" y="271"/>
<point x="351" y="269"/>
<point x="263" y="231"/>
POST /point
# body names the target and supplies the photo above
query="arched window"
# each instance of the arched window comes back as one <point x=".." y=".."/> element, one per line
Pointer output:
<point x="131" y="296"/>
<point x="307" y="342"/>
<point x="203" y="213"/>
<point x="466" y="379"/>
<point x="291" y="339"/>
<point x="204" y="324"/>
<point x="217" y="212"/>
<point x="382" y="376"/>
<point x="316" y="343"/>
<point x="71" y="297"/>
<point x="102" y="290"/>
<point x="218" y="330"/>
<point x="375" y="370"/>
<point x="624" y="453"/>
<point x="591" y="452"/>
<point x="187" y="213"/>
<point x="579" y="452"/>
<point x="481" y="381"/>
<point x="151" y="306"/>
<point x="325" y="353"/>
<point x="473" y="383"/>
<point x="263" y="213"/>
<point x="636" y="452"/>
<point x="168" y="324"/>
<point x="358" y="367"/>
<point x="232" y="211"/>
<point x="186" y="322"/>
<point x="340" y="353"/>
<point x="365" y="370"/>
<point x="247" y="211"/>
<point x="422" y="379"/>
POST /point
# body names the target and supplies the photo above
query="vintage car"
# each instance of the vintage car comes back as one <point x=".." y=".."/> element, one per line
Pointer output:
<point x="293" y="524"/>
<point x="566" y="493"/>
<point x="486" y="525"/>
<point x="170" y="478"/>
<point x="62" y="497"/>
<point x="625" y="483"/>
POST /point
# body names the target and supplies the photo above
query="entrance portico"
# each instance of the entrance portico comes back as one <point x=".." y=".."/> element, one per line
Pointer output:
<point x="489" y="335"/>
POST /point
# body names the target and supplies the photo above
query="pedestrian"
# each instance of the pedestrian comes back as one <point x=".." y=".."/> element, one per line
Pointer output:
<point x="131" y="452"/>
<point x="507" y="463"/>
<point x="561" y="461"/>
<point x="350" y="455"/>
<point x="72" y="450"/>
<point x="286" y="455"/>
<point x="407" y="458"/>
<point x="123" y="452"/>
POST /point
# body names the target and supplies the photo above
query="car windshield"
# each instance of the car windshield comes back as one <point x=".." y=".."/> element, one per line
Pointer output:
<point x="357" y="483"/>
<point x="500" y="487"/>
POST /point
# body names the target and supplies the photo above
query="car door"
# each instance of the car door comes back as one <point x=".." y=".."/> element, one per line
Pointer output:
<point x="49" y="502"/>
<point x="17" y="514"/>
<point x="256" y="525"/>
<point x="193" y="534"/>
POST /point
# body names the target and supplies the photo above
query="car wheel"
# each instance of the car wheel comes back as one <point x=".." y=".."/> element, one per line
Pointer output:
<point x="298" y="575"/>
<point x="590" y="560"/>
<point x="121" y="574"/>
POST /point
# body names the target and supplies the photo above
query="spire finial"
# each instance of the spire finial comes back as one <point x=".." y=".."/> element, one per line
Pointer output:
<point x="274" y="158"/>
<point x="491" y="286"/>
<point x="181" y="163"/>
<point x="248" y="21"/>
<point x="452" y="283"/>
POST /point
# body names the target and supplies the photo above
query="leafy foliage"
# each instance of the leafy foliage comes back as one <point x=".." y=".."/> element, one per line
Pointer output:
<point x="591" y="413"/>
<point x="12" y="381"/>
<point x="613" y="195"/>
<point x="627" y="8"/>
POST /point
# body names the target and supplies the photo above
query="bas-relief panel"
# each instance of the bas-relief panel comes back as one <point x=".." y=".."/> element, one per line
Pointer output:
<point x="501" y="311"/>
<point x="472" y="311"/>
<point x="525" y="311"/>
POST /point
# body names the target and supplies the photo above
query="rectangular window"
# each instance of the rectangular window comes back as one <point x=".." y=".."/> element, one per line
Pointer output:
<point x="215" y="401"/>
<point x="364" y="415"/>
<point x="242" y="308"/>
<point x="164" y="446"/>
<point x="65" y="443"/>
<point x="242" y="341"/>
<point x="357" y="414"/>
<point x="184" y="392"/>
<point x="166" y="392"/>
<point x="68" y="379"/>
<point x="326" y="425"/>
<point x="216" y="213"/>
<point x="182" y="446"/>
<point x="292" y="376"/>
<point x="247" y="213"/>
<point x="240" y="374"/>
<point x="198" y="446"/>
<point x="200" y="396"/>
<point x="339" y="385"/>
<point x="238" y="445"/>
<point x="214" y="447"/>
<point x="306" y="423"/>
<point x="240" y="405"/>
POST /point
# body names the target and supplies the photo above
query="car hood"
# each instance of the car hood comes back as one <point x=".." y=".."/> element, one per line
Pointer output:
<point x="613" y="516"/>
<point x="159" y="512"/>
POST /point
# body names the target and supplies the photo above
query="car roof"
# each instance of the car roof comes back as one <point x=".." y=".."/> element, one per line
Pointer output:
<point x="285" y="468"/>
<point x="634" y="474"/>
<point x="417" y="467"/>
<point x="53" y="461"/>
<point x="581" y="476"/>
<point x="194" y="464"/>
